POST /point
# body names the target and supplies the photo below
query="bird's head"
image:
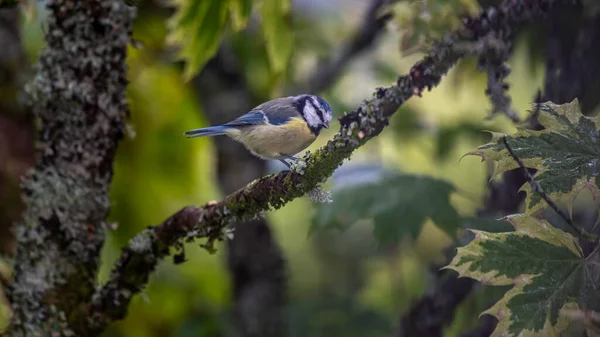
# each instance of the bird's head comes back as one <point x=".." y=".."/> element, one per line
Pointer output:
<point x="316" y="111"/>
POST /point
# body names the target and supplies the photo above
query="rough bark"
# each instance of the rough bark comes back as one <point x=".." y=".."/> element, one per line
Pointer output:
<point x="16" y="127"/>
<point x="78" y="99"/>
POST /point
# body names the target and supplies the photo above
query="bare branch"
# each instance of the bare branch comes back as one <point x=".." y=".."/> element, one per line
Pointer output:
<point x="138" y="260"/>
<point x="536" y="188"/>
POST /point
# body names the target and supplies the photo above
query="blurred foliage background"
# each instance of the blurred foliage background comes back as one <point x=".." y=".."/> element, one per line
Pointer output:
<point x="342" y="282"/>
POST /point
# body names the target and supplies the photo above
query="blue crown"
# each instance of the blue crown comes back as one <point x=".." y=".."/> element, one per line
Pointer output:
<point x="324" y="104"/>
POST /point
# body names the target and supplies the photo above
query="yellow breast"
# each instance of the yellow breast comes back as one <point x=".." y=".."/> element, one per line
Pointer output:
<point x="270" y="141"/>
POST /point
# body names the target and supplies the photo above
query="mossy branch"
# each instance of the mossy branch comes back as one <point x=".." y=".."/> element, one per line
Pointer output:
<point x="139" y="259"/>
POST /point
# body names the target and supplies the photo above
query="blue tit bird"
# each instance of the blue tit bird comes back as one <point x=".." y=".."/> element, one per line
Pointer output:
<point x="277" y="129"/>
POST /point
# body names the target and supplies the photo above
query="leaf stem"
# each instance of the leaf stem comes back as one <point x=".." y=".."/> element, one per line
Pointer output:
<point x="535" y="187"/>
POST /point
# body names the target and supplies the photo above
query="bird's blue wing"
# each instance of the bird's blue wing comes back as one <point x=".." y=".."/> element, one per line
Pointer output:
<point x="280" y="111"/>
<point x="278" y="119"/>
<point x="251" y="118"/>
<point x="281" y="114"/>
<point x="258" y="117"/>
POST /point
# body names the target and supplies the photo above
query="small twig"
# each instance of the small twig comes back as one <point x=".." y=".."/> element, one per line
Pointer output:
<point x="494" y="50"/>
<point x="494" y="58"/>
<point x="535" y="187"/>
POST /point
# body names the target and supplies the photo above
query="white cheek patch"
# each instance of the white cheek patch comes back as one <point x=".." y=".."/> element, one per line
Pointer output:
<point x="325" y="115"/>
<point x="312" y="118"/>
<point x="319" y="107"/>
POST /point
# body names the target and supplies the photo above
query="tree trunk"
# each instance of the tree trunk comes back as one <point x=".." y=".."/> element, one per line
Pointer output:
<point x="78" y="97"/>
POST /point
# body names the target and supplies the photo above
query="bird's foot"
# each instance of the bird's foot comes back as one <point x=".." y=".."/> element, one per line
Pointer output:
<point x="293" y="163"/>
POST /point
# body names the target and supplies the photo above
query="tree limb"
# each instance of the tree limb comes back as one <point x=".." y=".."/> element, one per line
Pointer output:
<point x="140" y="258"/>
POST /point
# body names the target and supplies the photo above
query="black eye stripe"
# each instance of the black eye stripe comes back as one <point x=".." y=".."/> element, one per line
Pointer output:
<point x="317" y="109"/>
<point x="300" y="104"/>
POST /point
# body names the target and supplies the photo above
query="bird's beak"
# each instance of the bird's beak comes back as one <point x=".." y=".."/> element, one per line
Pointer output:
<point x="326" y="125"/>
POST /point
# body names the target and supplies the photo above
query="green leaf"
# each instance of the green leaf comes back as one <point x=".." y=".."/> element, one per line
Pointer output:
<point x="197" y="27"/>
<point x="546" y="266"/>
<point x="240" y="13"/>
<point x="277" y="31"/>
<point x="398" y="205"/>
<point x="566" y="153"/>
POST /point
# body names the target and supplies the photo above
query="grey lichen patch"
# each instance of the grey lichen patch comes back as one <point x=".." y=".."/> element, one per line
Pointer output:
<point x="60" y="202"/>
<point x="36" y="279"/>
<point x="319" y="195"/>
<point x="229" y="233"/>
<point x="142" y="243"/>
<point x="298" y="166"/>
<point x="78" y="98"/>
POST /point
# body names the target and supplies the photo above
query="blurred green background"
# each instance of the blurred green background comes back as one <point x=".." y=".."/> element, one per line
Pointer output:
<point x="341" y="283"/>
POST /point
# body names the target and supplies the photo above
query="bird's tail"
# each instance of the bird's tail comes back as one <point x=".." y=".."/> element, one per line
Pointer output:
<point x="209" y="131"/>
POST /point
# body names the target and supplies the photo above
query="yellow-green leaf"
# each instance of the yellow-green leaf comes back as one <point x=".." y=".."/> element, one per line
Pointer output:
<point x="566" y="153"/>
<point x="277" y="31"/>
<point x="240" y="11"/>
<point x="550" y="274"/>
<point x="197" y="28"/>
